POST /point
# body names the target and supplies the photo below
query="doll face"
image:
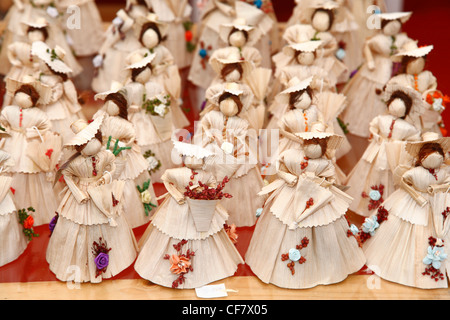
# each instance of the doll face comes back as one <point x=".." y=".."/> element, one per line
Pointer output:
<point x="112" y="108"/>
<point x="193" y="163"/>
<point x="228" y="107"/>
<point x="35" y="35"/>
<point x="321" y="21"/>
<point x="144" y="76"/>
<point x="397" y="108"/>
<point x="415" y="66"/>
<point x="92" y="148"/>
<point x="150" y="39"/>
<point x="233" y="76"/>
<point x="303" y="102"/>
<point x="433" y="161"/>
<point x="23" y="100"/>
<point x="392" y="28"/>
<point x="306" y="58"/>
<point x="313" y="151"/>
<point x="237" y="39"/>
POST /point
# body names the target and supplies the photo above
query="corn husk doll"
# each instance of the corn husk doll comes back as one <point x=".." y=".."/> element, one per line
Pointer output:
<point x="143" y="66"/>
<point x="216" y="14"/>
<point x="151" y="114"/>
<point x="372" y="178"/>
<point x="234" y="143"/>
<point x="34" y="13"/>
<point x="406" y="240"/>
<point x="119" y="136"/>
<point x="413" y="74"/>
<point x="305" y="218"/>
<point x="91" y="238"/>
<point x="186" y="245"/>
<point x="33" y="147"/>
<point x="63" y="108"/>
<point x="13" y="240"/>
<point x="364" y="90"/>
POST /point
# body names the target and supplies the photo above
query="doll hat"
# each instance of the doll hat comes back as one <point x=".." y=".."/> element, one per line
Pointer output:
<point x="84" y="131"/>
<point x="115" y="87"/>
<point x="38" y="23"/>
<point x="191" y="150"/>
<point x="241" y="25"/>
<point x="412" y="50"/>
<point x="294" y="85"/>
<point x="222" y="57"/>
<point x="52" y="57"/>
<point x="45" y="92"/>
<point x="334" y="140"/>
<point x="232" y="88"/>
<point x="307" y="46"/>
<point x="413" y="148"/>
<point x="402" y="16"/>
<point x="149" y="18"/>
<point x="417" y="107"/>
<point x="139" y="59"/>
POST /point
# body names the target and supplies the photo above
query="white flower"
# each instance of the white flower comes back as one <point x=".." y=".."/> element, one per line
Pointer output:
<point x="146" y="197"/>
<point x="227" y="147"/>
<point x="437" y="105"/>
<point x="52" y="11"/>
<point x="370" y="225"/>
<point x="160" y="110"/>
<point x="97" y="61"/>
<point x="152" y="163"/>
<point x="354" y="229"/>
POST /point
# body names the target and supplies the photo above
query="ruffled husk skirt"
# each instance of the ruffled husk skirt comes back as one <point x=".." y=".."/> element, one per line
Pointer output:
<point x="13" y="241"/>
<point x="330" y="254"/>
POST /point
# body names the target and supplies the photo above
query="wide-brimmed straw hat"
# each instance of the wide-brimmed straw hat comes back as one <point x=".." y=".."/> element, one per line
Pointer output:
<point x="413" y="148"/>
<point x="230" y="55"/>
<point x="294" y="85"/>
<point x="334" y="141"/>
<point x="53" y="58"/>
<point x="402" y="16"/>
<point x="241" y="25"/>
<point x="84" y="131"/>
<point x="418" y="105"/>
<point x="149" y="18"/>
<point x="307" y="46"/>
<point x="44" y="91"/>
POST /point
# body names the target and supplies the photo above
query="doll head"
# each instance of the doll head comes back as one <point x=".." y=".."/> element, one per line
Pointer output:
<point x="238" y="38"/>
<point x="26" y="96"/>
<point x="431" y="156"/>
<point x="150" y="35"/>
<point x="92" y="147"/>
<point x="116" y="104"/>
<point x="232" y="72"/>
<point x="37" y="34"/>
<point x="413" y="65"/>
<point x="322" y="19"/>
<point x="305" y="58"/>
<point x="142" y="75"/>
<point x="391" y="27"/>
<point x="399" y="104"/>
<point x="193" y="162"/>
<point x="230" y="104"/>
<point x="315" y="148"/>
<point x="301" y="99"/>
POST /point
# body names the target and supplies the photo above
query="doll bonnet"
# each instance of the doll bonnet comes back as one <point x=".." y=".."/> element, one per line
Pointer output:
<point x="239" y="24"/>
<point x="411" y="49"/>
<point x="44" y="91"/>
<point x="418" y="106"/>
<point x="53" y="58"/>
<point x="226" y="56"/>
<point x="294" y="85"/>
<point x="139" y="59"/>
<point x="334" y="141"/>
<point x="233" y="88"/>
<point x="413" y="148"/>
<point x="402" y="16"/>
<point x="152" y="18"/>
<point x="307" y="46"/>
<point x="84" y="131"/>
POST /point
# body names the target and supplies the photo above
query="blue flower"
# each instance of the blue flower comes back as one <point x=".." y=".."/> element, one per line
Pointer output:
<point x="435" y="256"/>
<point x="258" y="3"/>
<point x="258" y="212"/>
<point x="294" y="254"/>
<point x="375" y="195"/>
<point x="354" y="229"/>
<point x="203" y="53"/>
<point x="370" y="225"/>
<point x="340" y="54"/>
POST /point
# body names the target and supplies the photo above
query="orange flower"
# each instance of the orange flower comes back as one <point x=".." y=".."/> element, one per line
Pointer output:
<point x="28" y="223"/>
<point x="180" y="264"/>
<point x="231" y="232"/>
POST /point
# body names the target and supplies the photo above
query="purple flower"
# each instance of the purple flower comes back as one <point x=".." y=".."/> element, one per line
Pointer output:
<point x="52" y="223"/>
<point x="101" y="260"/>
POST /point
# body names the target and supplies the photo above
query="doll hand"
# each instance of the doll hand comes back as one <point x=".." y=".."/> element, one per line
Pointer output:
<point x="292" y="182"/>
<point x="181" y="201"/>
<point x="371" y="65"/>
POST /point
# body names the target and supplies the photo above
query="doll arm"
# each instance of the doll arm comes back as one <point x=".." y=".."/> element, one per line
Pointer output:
<point x="79" y="195"/>
<point x="39" y="129"/>
<point x="367" y="52"/>
<point x="283" y="173"/>
<point x="109" y="169"/>
<point x="406" y="184"/>
<point x="171" y="188"/>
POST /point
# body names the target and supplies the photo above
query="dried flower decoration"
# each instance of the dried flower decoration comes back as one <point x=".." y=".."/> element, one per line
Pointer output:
<point x="100" y="251"/>
<point x="375" y="195"/>
<point x="27" y="221"/>
<point x="146" y="197"/>
<point x="180" y="264"/>
<point x="435" y="255"/>
<point x="205" y="192"/>
<point x="294" y="255"/>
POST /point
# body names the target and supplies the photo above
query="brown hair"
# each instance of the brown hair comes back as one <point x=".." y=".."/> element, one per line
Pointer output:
<point x="64" y="76"/>
<point x="138" y="71"/>
<point x="229" y="68"/>
<point x="237" y="30"/>
<point x="154" y="27"/>
<point x="293" y="97"/>
<point x="42" y="30"/>
<point x="235" y="98"/>
<point x="330" y="14"/>
<point x="97" y="136"/>
<point x="31" y="91"/>
<point x="323" y="143"/>
<point x="427" y="149"/>
<point x="121" y="101"/>
<point x="406" y="60"/>
<point x="404" y="97"/>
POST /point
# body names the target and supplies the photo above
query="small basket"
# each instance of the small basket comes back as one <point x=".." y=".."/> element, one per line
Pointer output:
<point x="202" y="211"/>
